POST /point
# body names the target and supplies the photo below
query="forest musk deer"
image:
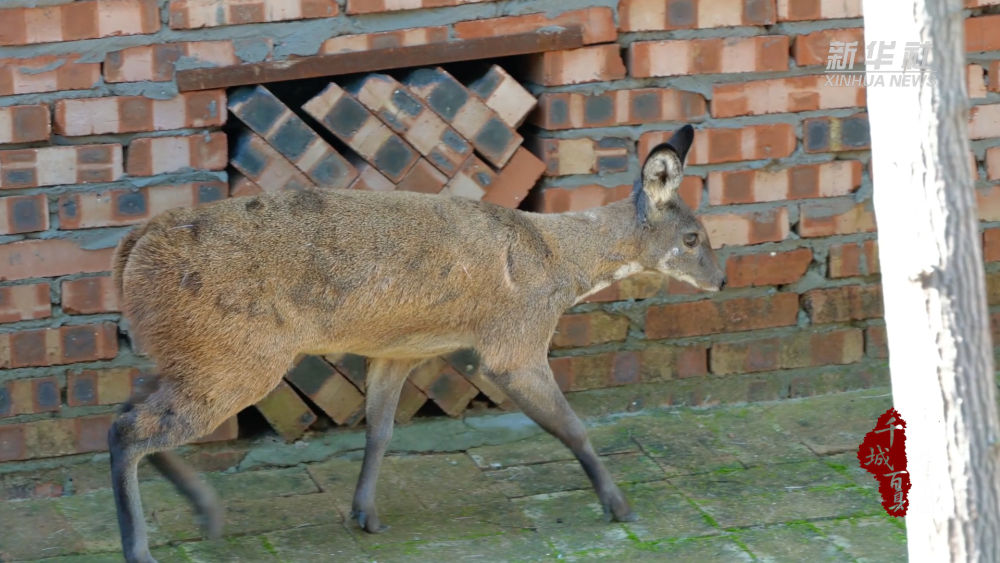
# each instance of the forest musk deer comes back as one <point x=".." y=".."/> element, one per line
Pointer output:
<point x="226" y="296"/>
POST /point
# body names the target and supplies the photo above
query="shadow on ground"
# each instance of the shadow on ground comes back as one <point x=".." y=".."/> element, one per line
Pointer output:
<point x="768" y="482"/>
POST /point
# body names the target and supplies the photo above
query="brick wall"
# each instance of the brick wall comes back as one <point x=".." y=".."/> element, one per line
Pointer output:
<point x="95" y="137"/>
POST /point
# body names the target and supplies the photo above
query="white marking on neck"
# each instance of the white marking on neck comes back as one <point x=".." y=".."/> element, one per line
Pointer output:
<point x="627" y="270"/>
<point x="619" y="274"/>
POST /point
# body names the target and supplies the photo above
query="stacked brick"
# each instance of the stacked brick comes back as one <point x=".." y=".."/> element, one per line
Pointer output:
<point x="426" y="133"/>
<point x="780" y="174"/>
<point x="429" y="133"/>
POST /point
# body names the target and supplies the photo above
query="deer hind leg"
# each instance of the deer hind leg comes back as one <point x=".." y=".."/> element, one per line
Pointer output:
<point x="384" y="384"/>
<point x="206" y="503"/>
<point x="163" y="420"/>
<point x="534" y="390"/>
<point x="178" y="412"/>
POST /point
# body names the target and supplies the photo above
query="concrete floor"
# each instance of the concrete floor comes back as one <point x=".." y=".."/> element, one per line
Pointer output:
<point x="764" y="482"/>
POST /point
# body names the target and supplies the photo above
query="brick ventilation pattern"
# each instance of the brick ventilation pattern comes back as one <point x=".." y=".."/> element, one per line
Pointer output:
<point x="427" y="133"/>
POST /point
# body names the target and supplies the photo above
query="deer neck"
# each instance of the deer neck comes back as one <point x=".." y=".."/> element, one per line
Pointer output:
<point x="597" y="247"/>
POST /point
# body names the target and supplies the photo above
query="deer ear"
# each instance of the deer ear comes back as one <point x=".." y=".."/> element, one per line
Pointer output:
<point x="663" y="169"/>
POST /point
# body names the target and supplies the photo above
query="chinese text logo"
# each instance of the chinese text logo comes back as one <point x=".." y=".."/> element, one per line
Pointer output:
<point x="886" y="65"/>
<point x="883" y="454"/>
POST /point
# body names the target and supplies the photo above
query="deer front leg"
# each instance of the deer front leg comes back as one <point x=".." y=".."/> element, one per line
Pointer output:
<point x="384" y="383"/>
<point x="535" y="391"/>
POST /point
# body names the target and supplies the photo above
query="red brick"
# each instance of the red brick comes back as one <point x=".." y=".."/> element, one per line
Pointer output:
<point x="55" y="346"/>
<point x="682" y="57"/>
<point x="228" y="430"/>
<point x="993" y="288"/>
<point x="131" y="114"/>
<point x="876" y="342"/>
<point x="835" y="134"/>
<point x="984" y="121"/>
<point x="994" y="74"/>
<point x="740" y="229"/>
<point x="24" y="302"/>
<point x="92" y="433"/>
<point x="35" y="395"/>
<point x="78" y="20"/>
<point x="12" y="446"/>
<point x="373" y="6"/>
<point x="474" y="178"/>
<point x="158" y="155"/>
<point x="287" y="133"/>
<point x="853" y="259"/>
<point x="86" y="296"/>
<point x="240" y="185"/>
<point x="503" y="94"/>
<point x="371" y="139"/>
<point x="513" y="183"/>
<point x="408" y="116"/>
<point x="23" y="214"/>
<point x="723" y="315"/>
<point x="575" y="110"/>
<point x="445" y="386"/>
<point x="655" y="15"/>
<point x="783" y="95"/>
<point x="814" y="48"/>
<point x="578" y="198"/>
<point x="598" y="25"/>
<point x="597" y="63"/>
<point x="713" y="146"/>
<point x="328" y="389"/>
<point x="191" y="14"/>
<point x="835" y="178"/>
<point x="286" y="412"/>
<point x="564" y="157"/>
<point x="52" y="166"/>
<point x="156" y="62"/>
<point x="975" y="77"/>
<point x="39" y="258"/>
<point x="771" y="268"/>
<point x="558" y="199"/>
<point x="411" y="400"/>
<point x="980" y="33"/>
<point x="385" y="39"/>
<point x="586" y="329"/>
<point x="991" y="245"/>
<point x="796" y="10"/>
<point x="794" y="351"/>
<point x="841" y="304"/>
<point x="992" y="161"/>
<point x="988" y="203"/>
<point x="577" y="373"/>
<point x="370" y="179"/>
<point x="128" y="206"/>
<point x="24" y="124"/>
<point x="47" y="73"/>
<point x="52" y="437"/>
<point x="423" y="177"/>
<point x="108" y="386"/>
<point x="836" y="217"/>
<point x="277" y="173"/>
<point x="493" y="139"/>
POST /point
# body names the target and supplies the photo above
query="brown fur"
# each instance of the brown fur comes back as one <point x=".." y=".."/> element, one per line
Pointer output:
<point x="226" y="296"/>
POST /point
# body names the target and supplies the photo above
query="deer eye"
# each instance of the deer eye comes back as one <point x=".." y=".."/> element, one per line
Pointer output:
<point x="691" y="240"/>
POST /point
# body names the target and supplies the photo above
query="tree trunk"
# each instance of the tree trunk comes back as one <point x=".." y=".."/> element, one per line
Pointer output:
<point x="940" y="353"/>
